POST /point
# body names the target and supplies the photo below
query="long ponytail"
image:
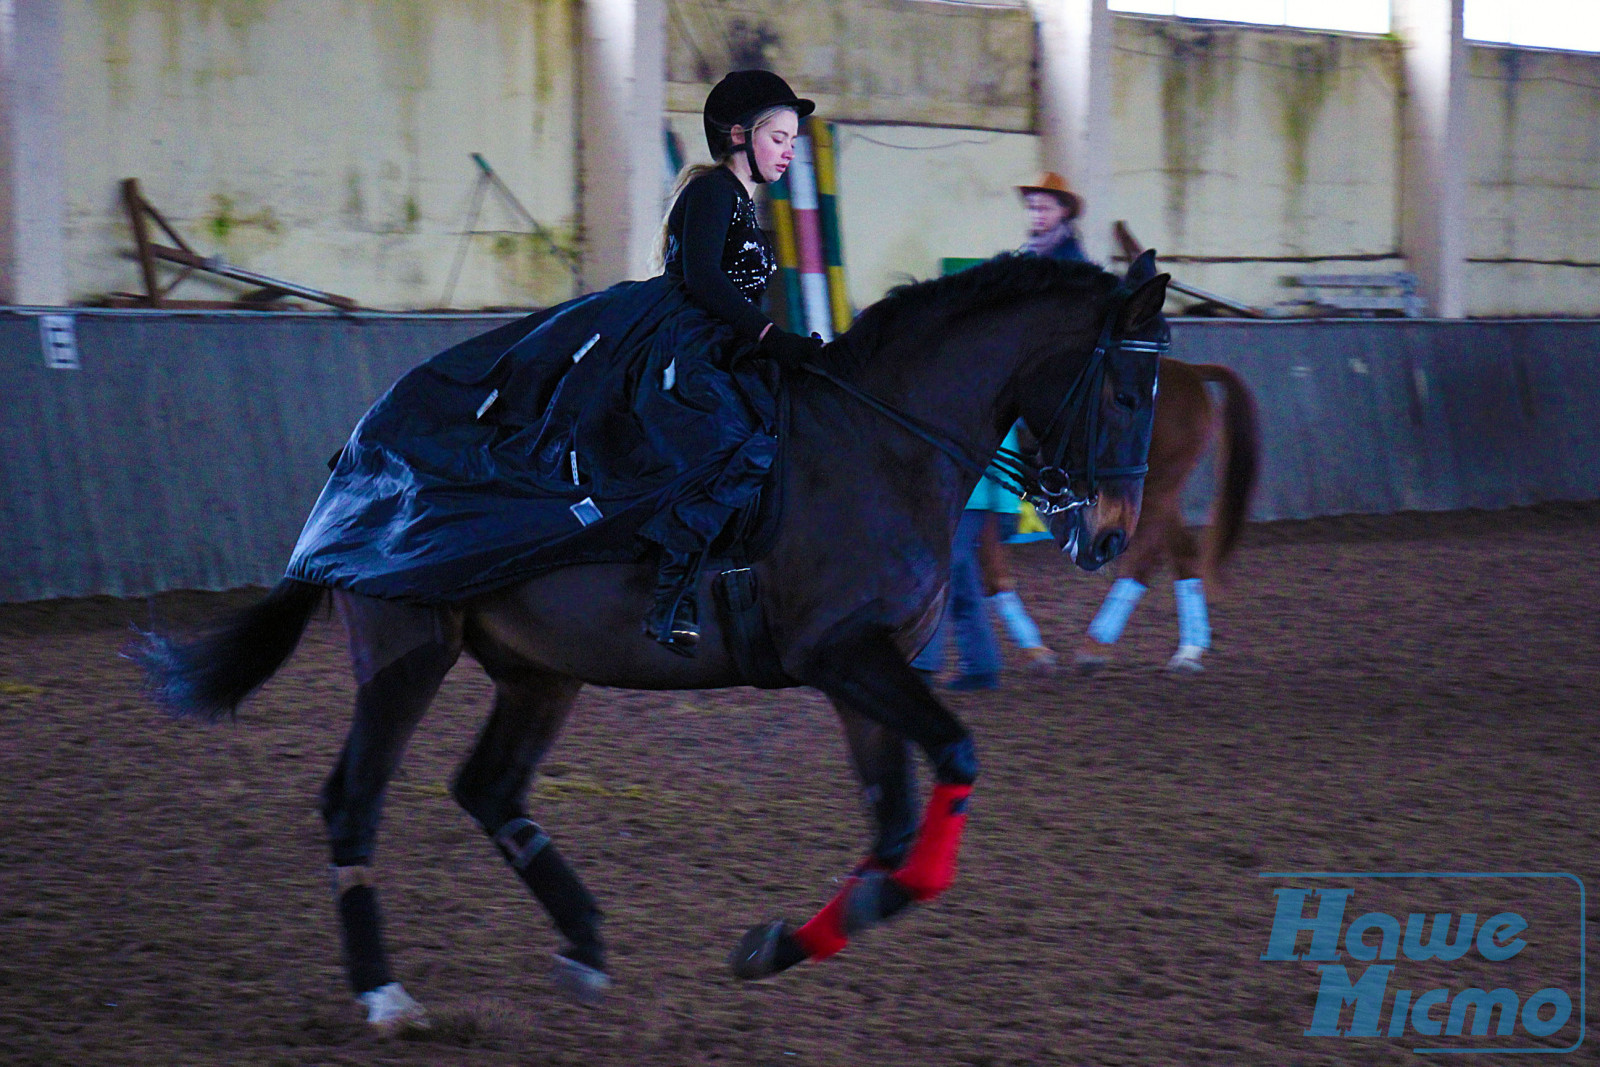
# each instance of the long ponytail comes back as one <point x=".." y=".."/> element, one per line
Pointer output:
<point x="658" y="254"/>
<point x="695" y="170"/>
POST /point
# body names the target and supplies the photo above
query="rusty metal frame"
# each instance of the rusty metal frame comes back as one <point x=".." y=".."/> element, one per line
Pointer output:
<point x="141" y="212"/>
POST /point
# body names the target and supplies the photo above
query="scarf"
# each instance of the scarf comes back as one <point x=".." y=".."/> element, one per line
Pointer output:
<point x="1041" y="244"/>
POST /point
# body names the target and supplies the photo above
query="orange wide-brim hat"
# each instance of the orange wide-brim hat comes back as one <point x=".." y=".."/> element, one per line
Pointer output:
<point x="1054" y="184"/>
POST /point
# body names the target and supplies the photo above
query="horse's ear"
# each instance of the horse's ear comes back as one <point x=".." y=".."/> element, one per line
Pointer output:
<point x="1143" y="268"/>
<point x="1140" y="309"/>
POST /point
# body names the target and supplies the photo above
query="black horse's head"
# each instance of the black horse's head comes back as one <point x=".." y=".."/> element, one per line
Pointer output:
<point x="1095" y="445"/>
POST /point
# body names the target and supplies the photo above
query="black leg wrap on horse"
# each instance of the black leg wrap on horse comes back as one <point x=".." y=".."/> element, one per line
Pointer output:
<point x="360" y="927"/>
<point x="787" y="952"/>
<point x="894" y="811"/>
<point x="555" y="885"/>
<point x="955" y="763"/>
<point x="875" y="899"/>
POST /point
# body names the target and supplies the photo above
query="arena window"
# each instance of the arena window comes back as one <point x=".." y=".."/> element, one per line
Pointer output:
<point x="1349" y="16"/>
<point x="1570" y="25"/>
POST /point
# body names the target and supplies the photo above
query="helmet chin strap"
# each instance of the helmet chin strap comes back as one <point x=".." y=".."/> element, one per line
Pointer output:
<point x="755" y="168"/>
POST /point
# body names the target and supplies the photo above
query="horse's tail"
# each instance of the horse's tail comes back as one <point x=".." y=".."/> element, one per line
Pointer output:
<point x="1238" y="462"/>
<point x="209" y="675"/>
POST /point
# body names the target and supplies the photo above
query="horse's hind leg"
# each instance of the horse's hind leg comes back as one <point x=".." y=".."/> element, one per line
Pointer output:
<point x="872" y="686"/>
<point x="389" y="704"/>
<point x="530" y="707"/>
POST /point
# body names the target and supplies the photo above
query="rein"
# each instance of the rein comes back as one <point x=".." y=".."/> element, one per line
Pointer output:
<point x="1048" y="488"/>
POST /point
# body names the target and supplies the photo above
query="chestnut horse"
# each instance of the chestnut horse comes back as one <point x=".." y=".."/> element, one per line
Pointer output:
<point x="1186" y="422"/>
<point x="888" y="436"/>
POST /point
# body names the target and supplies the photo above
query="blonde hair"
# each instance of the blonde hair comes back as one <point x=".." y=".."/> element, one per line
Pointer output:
<point x="689" y="173"/>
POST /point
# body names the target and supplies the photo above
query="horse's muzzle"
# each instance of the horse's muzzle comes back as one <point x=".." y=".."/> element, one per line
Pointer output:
<point x="1090" y="551"/>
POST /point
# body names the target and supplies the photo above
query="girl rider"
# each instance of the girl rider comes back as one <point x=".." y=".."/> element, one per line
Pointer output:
<point x="462" y="478"/>
<point x="712" y="243"/>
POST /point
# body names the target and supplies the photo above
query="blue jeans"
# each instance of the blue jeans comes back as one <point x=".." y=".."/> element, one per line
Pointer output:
<point x="966" y="615"/>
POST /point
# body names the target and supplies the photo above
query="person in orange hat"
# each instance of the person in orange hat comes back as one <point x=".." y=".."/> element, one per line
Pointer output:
<point x="1053" y="210"/>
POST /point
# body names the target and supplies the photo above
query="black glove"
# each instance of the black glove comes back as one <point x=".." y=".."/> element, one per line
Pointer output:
<point x="789" y="350"/>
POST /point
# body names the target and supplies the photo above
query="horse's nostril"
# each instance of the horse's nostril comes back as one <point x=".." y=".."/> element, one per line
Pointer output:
<point x="1112" y="542"/>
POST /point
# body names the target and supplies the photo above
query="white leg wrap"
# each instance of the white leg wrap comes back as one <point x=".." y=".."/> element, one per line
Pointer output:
<point x="346" y="878"/>
<point x="390" y="1008"/>
<point x="1113" y="614"/>
<point x="1008" y="605"/>
<point x="1194" y="628"/>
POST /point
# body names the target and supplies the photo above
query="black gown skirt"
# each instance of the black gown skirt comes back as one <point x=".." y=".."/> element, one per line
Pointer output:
<point x="591" y="431"/>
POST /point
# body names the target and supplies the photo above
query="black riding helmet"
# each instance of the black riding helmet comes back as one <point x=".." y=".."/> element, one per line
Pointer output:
<point x="737" y="99"/>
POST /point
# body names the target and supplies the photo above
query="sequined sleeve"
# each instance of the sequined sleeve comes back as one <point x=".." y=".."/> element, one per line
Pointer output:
<point x="725" y="257"/>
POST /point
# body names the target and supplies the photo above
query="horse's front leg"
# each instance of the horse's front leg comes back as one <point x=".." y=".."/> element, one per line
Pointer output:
<point x="883" y="702"/>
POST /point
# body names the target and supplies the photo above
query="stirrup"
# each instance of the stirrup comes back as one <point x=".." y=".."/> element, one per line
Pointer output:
<point x="684" y="633"/>
<point x="680" y="633"/>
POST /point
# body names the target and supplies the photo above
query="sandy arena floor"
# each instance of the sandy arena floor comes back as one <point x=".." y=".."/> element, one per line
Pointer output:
<point x="1411" y="693"/>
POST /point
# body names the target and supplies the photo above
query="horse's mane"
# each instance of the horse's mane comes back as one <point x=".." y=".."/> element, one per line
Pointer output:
<point x="1005" y="279"/>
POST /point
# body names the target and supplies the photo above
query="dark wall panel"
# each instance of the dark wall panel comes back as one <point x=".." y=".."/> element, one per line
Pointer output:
<point x="1396" y="415"/>
<point x="187" y="450"/>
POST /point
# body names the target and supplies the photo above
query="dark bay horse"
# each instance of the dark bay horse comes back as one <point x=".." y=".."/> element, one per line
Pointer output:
<point x="1186" y="423"/>
<point x="849" y="590"/>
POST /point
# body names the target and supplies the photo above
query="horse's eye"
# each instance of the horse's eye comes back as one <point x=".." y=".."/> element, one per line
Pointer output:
<point x="1127" y="401"/>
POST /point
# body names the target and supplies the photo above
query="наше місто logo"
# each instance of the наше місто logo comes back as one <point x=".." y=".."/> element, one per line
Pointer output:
<point x="1391" y="968"/>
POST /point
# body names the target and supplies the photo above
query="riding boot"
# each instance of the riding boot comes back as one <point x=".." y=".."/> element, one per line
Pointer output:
<point x="674" y="619"/>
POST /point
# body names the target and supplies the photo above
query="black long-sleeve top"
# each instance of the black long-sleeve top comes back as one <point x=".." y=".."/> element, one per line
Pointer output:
<point x="716" y="246"/>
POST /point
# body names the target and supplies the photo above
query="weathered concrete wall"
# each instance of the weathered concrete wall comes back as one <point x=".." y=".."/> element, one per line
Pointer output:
<point x="1243" y="153"/>
<point x="909" y="197"/>
<point x="1231" y="152"/>
<point x="1533" y="199"/>
<point x="1249" y="153"/>
<point x="865" y="60"/>
<point x="325" y="141"/>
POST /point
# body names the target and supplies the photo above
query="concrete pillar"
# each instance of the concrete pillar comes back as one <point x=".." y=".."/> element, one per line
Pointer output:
<point x="1075" y="107"/>
<point x="1433" y="155"/>
<point x="621" y="126"/>
<point x="32" y="197"/>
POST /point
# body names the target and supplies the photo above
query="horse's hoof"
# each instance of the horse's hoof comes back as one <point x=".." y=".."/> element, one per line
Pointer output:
<point x="1186" y="660"/>
<point x="1086" y="663"/>
<point x="763" y="952"/>
<point x="583" y="983"/>
<point x="1041" y="660"/>
<point x="391" y="1010"/>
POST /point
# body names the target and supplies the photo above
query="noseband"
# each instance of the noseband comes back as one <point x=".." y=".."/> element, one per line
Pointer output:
<point x="1048" y="488"/>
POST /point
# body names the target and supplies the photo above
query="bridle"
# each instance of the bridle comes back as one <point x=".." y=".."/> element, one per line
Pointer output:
<point x="1052" y="483"/>
<point x="1050" y="488"/>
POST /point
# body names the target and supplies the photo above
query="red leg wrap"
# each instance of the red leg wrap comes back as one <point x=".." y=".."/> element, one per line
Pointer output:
<point x="824" y="934"/>
<point x="931" y="867"/>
